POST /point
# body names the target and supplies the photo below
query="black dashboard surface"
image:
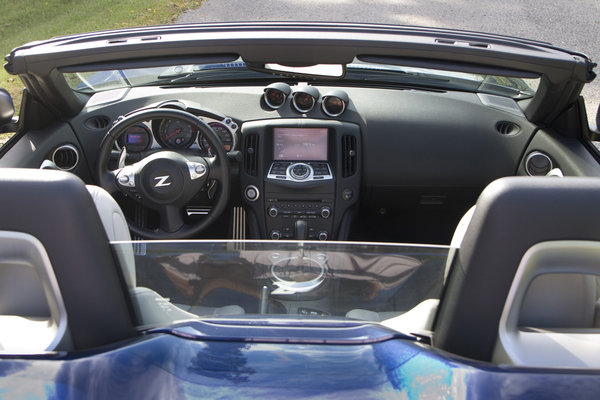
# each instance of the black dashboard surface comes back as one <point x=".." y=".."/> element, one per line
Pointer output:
<point x="410" y="137"/>
<point x="417" y="147"/>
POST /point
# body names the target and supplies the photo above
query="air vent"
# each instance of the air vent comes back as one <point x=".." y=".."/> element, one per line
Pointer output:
<point x="65" y="157"/>
<point x="348" y="156"/>
<point x="538" y="164"/>
<point x="251" y="155"/>
<point x="99" y="123"/>
<point x="508" y="128"/>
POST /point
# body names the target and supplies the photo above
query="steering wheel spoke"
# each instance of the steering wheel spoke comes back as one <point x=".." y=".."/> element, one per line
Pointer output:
<point x="171" y="219"/>
<point x="111" y="182"/>
<point x="215" y="168"/>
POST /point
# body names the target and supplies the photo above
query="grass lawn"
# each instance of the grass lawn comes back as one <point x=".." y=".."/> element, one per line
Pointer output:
<point x="26" y="21"/>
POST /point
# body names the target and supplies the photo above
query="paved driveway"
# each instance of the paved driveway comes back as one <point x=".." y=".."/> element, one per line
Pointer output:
<point x="573" y="24"/>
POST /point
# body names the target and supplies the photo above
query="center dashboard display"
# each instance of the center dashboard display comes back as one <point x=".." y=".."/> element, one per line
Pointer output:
<point x="300" y="144"/>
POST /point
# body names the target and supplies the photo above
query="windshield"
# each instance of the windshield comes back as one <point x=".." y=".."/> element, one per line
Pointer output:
<point x="180" y="280"/>
<point x="357" y="72"/>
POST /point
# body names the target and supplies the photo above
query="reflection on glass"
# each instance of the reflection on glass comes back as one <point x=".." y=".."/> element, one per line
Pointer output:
<point x="294" y="279"/>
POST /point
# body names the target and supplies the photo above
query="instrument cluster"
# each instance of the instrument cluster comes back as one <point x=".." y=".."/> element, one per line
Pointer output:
<point x="175" y="134"/>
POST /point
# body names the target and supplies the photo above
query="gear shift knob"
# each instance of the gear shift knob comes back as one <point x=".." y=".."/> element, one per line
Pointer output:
<point x="301" y="231"/>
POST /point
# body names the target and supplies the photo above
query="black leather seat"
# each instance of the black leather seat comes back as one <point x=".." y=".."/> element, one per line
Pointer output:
<point x="512" y="215"/>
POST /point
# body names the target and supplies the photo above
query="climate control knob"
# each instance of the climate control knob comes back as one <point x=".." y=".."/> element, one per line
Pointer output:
<point x="323" y="235"/>
<point x="275" y="235"/>
<point x="325" y="212"/>
<point x="273" y="211"/>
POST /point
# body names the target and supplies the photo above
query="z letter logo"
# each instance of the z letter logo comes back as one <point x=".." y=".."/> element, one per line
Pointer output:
<point x="162" y="181"/>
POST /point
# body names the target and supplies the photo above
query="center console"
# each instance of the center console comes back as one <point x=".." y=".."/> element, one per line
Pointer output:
<point x="300" y="178"/>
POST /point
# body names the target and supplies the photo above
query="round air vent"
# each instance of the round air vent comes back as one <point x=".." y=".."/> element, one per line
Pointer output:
<point x="508" y="128"/>
<point x="538" y="164"/>
<point x="65" y="157"/>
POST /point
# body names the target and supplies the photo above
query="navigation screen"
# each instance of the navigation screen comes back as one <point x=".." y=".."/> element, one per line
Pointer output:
<point x="300" y="144"/>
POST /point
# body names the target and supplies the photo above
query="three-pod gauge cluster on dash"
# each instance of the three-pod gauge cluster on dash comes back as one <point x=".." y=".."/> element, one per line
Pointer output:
<point x="304" y="98"/>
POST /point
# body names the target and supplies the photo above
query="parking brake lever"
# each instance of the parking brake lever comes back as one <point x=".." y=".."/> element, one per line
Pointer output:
<point x="301" y="233"/>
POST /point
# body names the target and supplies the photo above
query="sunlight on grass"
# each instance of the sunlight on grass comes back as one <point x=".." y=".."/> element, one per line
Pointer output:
<point x="26" y="21"/>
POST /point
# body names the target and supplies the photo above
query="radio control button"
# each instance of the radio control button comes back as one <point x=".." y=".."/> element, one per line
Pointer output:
<point x="273" y="211"/>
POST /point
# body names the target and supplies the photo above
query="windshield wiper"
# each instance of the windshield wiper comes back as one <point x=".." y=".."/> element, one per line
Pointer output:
<point x="180" y="73"/>
<point x="418" y="79"/>
<point x="208" y="75"/>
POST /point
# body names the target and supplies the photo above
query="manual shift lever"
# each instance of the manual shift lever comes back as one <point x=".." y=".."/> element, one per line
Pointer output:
<point x="301" y="232"/>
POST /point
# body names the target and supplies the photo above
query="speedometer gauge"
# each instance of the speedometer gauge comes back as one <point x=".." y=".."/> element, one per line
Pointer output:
<point x="223" y="133"/>
<point x="176" y="134"/>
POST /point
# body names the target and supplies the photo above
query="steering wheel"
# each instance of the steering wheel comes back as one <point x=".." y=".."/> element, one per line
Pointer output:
<point x="166" y="181"/>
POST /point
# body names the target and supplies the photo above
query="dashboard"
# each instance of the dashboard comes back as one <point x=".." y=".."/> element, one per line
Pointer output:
<point x="318" y="161"/>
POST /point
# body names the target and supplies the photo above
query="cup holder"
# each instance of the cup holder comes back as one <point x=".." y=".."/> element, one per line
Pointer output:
<point x="298" y="274"/>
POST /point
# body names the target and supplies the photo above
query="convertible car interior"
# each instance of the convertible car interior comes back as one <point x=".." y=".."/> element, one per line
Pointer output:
<point x="314" y="191"/>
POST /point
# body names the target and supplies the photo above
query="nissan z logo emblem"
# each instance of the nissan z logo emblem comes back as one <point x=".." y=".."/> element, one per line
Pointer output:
<point x="162" y="181"/>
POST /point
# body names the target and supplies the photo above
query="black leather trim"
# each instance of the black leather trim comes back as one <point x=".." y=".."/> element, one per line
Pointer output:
<point x="512" y="215"/>
<point x="55" y="207"/>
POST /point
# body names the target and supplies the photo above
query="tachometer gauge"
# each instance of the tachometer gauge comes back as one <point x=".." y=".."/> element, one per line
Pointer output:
<point x="176" y="134"/>
<point x="136" y="138"/>
<point x="223" y="133"/>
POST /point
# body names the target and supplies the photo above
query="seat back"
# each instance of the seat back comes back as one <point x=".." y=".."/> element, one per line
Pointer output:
<point x="56" y="210"/>
<point x="512" y="215"/>
<point x="549" y="315"/>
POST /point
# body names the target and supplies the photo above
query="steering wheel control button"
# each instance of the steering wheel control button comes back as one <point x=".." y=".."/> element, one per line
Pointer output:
<point x="126" y="177"/>
<point x="251" y="193"/>
<point x="197" y="170"/>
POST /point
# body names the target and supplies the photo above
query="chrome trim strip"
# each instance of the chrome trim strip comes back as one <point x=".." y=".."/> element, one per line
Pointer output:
<point x="533" y="154"/>
<point x="310" y="178"/>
